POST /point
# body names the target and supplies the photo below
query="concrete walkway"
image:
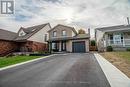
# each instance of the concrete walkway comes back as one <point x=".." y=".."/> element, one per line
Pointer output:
<point x="115" y="77"/>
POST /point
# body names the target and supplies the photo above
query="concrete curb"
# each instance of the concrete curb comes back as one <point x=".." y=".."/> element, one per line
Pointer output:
<point x="11" y="66"/>
<point x="115" y="77"/>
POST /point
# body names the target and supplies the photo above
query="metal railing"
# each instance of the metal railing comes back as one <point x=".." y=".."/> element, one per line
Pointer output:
<point x="122" y="42"/>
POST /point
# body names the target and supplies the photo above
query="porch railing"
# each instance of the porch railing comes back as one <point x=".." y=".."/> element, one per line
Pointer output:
<point x="122" y="43"/>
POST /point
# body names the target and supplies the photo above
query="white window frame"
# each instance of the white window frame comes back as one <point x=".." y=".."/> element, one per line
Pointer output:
<point x="54" y="33"/>
<point x="117" y="38"/>
<point x="64" y="33"/>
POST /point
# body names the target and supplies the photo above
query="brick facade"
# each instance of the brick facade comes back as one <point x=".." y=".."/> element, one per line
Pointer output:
<point x="31" y="46"/>
<point x="39" y="46"/>
<point x="7" y="47"/>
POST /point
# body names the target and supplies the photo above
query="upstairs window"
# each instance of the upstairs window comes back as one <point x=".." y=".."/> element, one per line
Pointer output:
<point x="54" y="34"/>
<point x="64" y="33"/>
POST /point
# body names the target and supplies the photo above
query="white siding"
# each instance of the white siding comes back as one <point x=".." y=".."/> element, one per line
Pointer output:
<point x="40" y="35"/>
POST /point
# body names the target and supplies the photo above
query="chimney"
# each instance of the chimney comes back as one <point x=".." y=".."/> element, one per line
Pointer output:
<point x="128" y="20"/>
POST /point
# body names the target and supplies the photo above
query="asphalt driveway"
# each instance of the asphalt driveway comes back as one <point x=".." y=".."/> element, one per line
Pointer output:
<point x="63" y="70"/>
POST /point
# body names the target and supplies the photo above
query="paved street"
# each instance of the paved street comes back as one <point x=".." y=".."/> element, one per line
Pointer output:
<point x="63" y="70"/>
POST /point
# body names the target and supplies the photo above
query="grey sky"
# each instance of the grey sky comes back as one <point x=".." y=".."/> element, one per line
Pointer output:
<point x="78" y="13"/>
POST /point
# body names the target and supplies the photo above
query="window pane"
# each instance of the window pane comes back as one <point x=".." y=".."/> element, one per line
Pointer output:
<point x="54" y="34"/>
<point x="117" y="38"/>
<point x="111" y="37"/>
<point x="64" y="33"/>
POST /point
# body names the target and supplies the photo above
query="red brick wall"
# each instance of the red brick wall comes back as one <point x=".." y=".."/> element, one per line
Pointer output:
<point x="34" y="46"/>
<point x="39" y="46"/>
<point x="10" y="46"/>
<point x="7" y="47"/>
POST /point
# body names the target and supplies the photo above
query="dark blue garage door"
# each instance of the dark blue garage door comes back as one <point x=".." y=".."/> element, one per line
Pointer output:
<point x="78" y="47"/>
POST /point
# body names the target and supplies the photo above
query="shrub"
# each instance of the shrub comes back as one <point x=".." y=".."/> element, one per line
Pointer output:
<point x="93" y="43"/>
<point x="43" y="52"/>
<point x="128" y="49"/>
<point x="81" y="31"/>
<point x="109" y="48"/>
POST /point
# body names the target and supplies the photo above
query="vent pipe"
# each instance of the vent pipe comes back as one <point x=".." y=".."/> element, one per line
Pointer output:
<point x="89" y="31"/>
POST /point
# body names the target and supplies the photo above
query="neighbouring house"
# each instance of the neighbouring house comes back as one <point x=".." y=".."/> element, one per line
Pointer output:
<point x="65" y="38"/>
<point x="116" y="36"/>
<point x="32" y="39"/>
<point x="7" y="44"/>
<point x="28" y="39"/>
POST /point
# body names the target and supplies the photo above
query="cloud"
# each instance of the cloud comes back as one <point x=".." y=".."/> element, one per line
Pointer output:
<point x="80" y="14"/>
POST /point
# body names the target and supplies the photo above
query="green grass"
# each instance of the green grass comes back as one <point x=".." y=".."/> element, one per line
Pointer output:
<point x="125" y="55"/>
<point x="15" y="59"/>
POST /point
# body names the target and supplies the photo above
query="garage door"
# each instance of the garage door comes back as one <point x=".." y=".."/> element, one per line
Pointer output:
<point x="78" y="47"/>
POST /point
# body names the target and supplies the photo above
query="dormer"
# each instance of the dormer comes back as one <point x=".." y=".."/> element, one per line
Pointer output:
<point x="22" y="33"/>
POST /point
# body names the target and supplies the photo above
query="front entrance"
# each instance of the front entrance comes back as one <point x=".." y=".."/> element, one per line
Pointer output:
<point x="55" y="46"/>
<point x="58" y="46"/>
<point x="78" y="47"/>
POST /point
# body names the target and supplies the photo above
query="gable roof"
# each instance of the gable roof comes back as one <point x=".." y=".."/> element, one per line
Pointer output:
<point x="114" y="28"/>
<point x="7" y="35"/>
<point x="72" y="28"/>
<point x="29" y="31"/>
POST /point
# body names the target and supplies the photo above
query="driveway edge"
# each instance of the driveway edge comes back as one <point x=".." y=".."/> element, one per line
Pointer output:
<point x="18" y="64"/>
<point x="115" y="77"/>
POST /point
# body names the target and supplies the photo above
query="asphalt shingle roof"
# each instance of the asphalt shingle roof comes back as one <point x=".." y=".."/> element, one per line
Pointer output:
<point x="114" y="28"/>
<point x="29" y="32"/>
<point x="7" y="35"/>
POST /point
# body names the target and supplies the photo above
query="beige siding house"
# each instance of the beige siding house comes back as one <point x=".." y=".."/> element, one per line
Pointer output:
<point x="65" y="38"/>
<point x="116" y="36"/>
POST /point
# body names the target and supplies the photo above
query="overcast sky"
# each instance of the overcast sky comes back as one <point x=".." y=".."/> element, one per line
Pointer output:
<point x="78" y="13"/>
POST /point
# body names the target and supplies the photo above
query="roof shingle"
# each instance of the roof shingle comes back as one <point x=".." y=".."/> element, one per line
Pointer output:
<point x="7" y="35"/>
<point x="29" y="32"/>
<point x="114" y="28"/>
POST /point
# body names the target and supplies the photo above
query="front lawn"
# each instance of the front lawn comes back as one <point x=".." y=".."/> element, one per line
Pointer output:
<point x="15" y="59"/>
<point x="120" y="59"/>
<point x="125" y="55"/>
